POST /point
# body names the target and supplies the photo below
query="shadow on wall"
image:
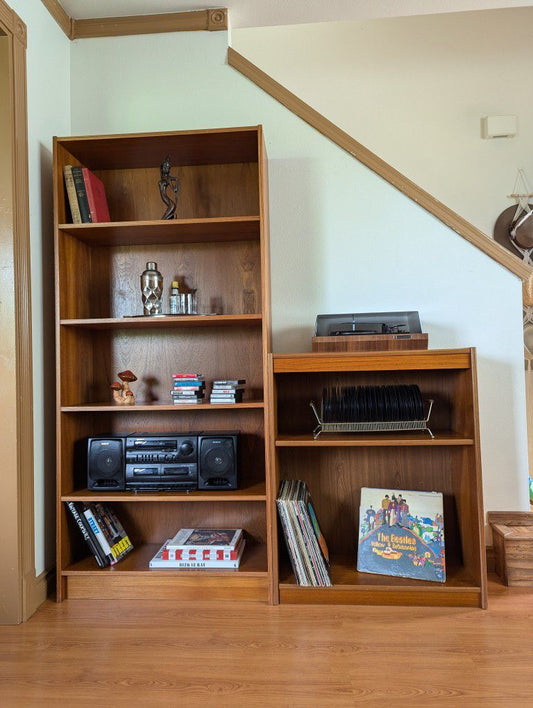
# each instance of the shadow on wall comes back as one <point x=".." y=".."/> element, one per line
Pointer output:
<point x="47" y="403"/>
<point x="497" y="377"/>
<point x="297" y="250"/>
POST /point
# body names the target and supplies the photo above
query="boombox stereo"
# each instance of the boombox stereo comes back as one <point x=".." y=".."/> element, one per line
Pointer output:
<point x="177" y="461"/>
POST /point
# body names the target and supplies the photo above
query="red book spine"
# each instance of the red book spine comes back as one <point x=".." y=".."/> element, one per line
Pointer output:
<point x="96" y="197"/>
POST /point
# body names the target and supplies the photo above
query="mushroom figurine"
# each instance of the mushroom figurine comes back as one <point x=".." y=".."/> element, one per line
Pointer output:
<point x="117" y="392"/>
<point x="127" y="377"/>
<point x="129" y="398"/>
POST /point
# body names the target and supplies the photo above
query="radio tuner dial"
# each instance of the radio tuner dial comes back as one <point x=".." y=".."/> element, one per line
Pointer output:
<point x="186" y="448"/>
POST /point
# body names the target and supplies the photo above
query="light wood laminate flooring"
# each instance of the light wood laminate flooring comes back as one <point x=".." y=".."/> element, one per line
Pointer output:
<point x="138" y="653"/>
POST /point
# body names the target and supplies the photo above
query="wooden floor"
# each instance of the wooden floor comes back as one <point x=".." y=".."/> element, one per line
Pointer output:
<point x="83" y="653"/>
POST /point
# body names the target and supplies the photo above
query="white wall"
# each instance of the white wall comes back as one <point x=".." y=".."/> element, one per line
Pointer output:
<point x="413" y="90"/>
<point x="48" y="72"/>
<point x="342" y="239"/>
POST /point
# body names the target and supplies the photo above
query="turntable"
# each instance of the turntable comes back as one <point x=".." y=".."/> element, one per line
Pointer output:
<point x="369" y="331"/>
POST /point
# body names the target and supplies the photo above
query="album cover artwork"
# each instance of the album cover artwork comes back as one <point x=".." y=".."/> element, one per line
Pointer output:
<point x="401" y="533"/>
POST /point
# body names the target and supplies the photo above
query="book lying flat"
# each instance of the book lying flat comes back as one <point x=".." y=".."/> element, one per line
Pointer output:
<point x="159" y="562"/>
<point x="212" y="539"/>
<point x="401" y="533"/>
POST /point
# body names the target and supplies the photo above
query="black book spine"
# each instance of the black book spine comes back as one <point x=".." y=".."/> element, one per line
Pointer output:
<point x="87" y="535"/>
<point x="83" y="202"/>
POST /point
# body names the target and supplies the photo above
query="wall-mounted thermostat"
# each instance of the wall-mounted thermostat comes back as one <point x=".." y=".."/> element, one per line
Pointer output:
<point x="498" y="127"/>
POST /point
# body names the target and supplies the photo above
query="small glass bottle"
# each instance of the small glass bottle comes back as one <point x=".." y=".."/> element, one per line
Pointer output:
<point x="192" y="304"/>
<point x="174" y="299"/>
<point x="152" y="289"/>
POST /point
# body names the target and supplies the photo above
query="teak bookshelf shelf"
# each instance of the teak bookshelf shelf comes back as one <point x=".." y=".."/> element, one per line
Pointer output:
<point x="336" y="466"/>
<point x="219" y="245"/>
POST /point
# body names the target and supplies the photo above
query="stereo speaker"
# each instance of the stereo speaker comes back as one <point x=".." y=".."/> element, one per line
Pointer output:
<point x="217" y="461"/>
<point x="105" y="464"/>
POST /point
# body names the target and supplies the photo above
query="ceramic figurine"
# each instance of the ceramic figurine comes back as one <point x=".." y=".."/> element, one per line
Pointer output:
<point x="122" y="393"/>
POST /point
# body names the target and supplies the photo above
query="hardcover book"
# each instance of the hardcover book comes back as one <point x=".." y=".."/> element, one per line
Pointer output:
<point x="71" y="195"/>
<point x="81" y="193"/>
<point x="96" y="198"/>
<point x="165" y="559"/>
<point x="401" y="533"/>
<point x="200" y="539"/>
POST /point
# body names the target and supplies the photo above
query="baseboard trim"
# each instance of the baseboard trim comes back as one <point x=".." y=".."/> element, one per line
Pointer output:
<point x="37" y="589"/>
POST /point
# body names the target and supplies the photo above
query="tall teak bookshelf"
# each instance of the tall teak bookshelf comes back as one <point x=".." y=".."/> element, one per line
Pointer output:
<point x="219" y="245"/>
<point x="336" y="466"/>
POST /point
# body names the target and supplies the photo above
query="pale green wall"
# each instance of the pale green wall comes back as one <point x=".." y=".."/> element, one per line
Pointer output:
<point x="413" y="90"/>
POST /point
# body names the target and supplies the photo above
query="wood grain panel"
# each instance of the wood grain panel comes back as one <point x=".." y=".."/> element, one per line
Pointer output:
<point x="76" y="429"/>
<point x="227" y="282"/>
<point x="370" y="343"/>
<point x="153" y="522"/>
<point x="132" y="233"/>
<point x="428" y="202"/>
<point x="186" y="147"/>
<point x="153" y="356"/>
<point x="177" y="589"/>
<point x="371" y="361"/>
<point x="213" y="190"/>
<point x="246" y="492"/>
<point x="335" y="477"/>
<point x="379" y="596"/>
<point x="80" y="281"/>
<point x="137" y="562"/>
<point x="295" y="392"/>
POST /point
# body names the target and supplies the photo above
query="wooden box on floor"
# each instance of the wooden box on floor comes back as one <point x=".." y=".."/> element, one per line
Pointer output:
<point x="336" y="466"/>
<point x="512" y="534"/>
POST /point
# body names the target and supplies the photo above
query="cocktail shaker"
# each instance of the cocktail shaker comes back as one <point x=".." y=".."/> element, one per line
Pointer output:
<point x="152" y="289"/>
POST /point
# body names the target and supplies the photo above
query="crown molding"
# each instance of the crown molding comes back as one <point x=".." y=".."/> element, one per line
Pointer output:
<point x="55" y="8"/>
<point x="195" y="21"/>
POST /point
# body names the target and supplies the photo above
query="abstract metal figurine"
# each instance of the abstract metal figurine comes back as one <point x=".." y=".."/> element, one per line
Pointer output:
<point x="168" y="181"/>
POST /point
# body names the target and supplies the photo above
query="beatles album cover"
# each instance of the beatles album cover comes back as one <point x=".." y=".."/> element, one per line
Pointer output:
<point x="401" y="533"/>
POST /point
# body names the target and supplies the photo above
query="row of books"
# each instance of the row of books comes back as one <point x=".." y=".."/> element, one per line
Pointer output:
<point x="189" y="389"/>
<point x="102" y="531"/>
<point x="86" y="195"/>
<point x="308" y="550"/>
<point x="195" y="549"/>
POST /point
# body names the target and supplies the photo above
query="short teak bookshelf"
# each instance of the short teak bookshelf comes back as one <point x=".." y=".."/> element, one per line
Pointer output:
<point x="219" y="245"/>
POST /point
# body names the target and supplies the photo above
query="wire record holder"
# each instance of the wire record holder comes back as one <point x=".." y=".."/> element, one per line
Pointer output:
<point x="381" y="426"/>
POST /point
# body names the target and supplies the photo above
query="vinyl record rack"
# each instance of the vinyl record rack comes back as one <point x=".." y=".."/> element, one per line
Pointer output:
<point x="381" y="426"/>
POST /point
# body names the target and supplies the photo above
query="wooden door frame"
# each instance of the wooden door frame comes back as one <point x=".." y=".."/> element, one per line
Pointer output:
<point x="25" y="591"/>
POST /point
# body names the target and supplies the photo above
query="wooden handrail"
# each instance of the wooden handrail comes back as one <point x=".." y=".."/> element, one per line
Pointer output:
<point x="315" y="119"/>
